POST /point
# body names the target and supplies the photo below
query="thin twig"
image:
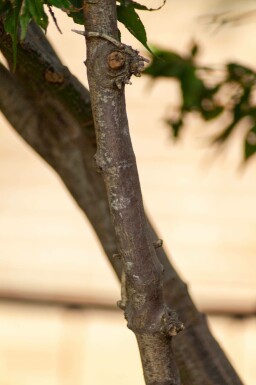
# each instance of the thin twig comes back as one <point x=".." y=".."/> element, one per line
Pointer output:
<point x="54" y="18"/>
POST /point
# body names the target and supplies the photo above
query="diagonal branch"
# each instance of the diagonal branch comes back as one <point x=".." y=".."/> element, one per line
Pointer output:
<point x="200" y="359"/>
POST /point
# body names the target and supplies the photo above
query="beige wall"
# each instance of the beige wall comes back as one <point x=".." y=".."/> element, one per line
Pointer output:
<point x="48" y="346"/>
<point x="202" y="205"/>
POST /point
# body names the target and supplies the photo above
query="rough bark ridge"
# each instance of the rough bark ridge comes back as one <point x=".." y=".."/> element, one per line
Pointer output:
<point x="200" y="359"/>
<point x="142" y="294"/>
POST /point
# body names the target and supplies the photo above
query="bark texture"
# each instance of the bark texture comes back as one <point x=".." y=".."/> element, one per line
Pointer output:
<point x="200" y="359"/>
<point x="142" y="300"/>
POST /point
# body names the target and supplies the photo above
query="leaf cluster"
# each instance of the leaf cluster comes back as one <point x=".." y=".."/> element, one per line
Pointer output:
<point x="233" y="94"/>
<point x="17" y="14"/>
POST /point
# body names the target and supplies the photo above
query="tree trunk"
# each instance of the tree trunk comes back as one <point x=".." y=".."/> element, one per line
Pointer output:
<point x="200" y="359"/>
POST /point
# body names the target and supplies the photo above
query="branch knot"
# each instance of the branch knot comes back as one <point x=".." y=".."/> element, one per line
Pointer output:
<point x="171" y="325"/>
<point x="158" y="243"/>
<point x="126" y="58"/>
<point x="116" y="60"/>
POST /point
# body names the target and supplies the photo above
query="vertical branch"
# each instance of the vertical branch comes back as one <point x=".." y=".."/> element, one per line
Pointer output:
<point x="109" y="66"/>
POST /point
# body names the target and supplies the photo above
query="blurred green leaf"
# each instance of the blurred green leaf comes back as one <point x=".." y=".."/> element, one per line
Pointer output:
<point x="204" y="97"/>
<point x="194" y="50"/>
<point x="225" y="134"/>
<point x="209" y="114"/>
<point x="241" y="74"/>
<point x="250" y="143"/>
<point x="175" y="126"/>
<point x="165" y="64"/>
<point x="196" y="94"/>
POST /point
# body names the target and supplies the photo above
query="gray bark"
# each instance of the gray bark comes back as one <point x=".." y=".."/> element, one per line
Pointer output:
<point x="152" y="322"/>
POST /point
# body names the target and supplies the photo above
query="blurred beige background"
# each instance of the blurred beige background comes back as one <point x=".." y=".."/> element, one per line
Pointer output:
<point x="201" y="202"/>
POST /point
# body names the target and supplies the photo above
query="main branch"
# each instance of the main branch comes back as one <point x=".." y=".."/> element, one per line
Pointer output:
<point x="109" y="67"/>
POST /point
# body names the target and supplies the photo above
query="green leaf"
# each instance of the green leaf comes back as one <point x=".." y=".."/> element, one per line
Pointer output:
<point x="36" y="10"/>
<point x="78" y="4"/>
<point x="166" y="64"/>
<point x="131" y="20"/>
<point x="10" y="11"/>
<point x="77" y="16"/>
<point x="59" y="3"/>
<point x="211" y="113"/>
<point x="240" y="73"/>
<point x="76" y="11"/>
<point x="15" y="13"/>
<point x="25" y="19"/>
<point x="193" y="89"/>
<point x="32" y="10"/>
<point x="140" y="6"/>
<point x="73" y="8"/>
